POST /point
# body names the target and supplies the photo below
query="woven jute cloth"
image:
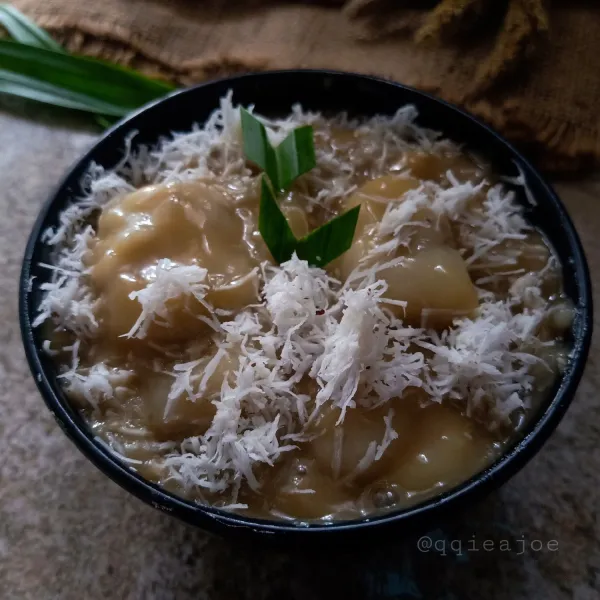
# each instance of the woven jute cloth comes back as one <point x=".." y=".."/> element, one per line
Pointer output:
<point x="530" y="70"/>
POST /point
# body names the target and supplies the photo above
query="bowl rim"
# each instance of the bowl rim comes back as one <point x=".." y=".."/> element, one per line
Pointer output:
<point x="215" y="519"/>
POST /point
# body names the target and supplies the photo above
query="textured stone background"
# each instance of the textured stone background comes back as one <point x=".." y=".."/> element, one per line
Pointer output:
<point x="67" y="532"/>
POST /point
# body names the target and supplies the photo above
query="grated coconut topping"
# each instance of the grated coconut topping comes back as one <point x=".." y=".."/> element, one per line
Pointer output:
<point x="312" y="341"/>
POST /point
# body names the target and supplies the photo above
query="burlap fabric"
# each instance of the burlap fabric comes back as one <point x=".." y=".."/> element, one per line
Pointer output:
<point x="530" y="72"/>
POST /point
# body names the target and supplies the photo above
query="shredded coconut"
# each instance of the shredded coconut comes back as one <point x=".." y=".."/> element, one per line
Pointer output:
<point x="311" y="337"/>
<point x="483" y="359"/>
<point x="170" y="281"/>
<point x="96" y="384"/>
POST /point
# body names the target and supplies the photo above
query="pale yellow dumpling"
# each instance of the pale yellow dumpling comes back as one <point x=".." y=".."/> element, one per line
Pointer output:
<point x="445" y="448"/>
<point x="373" y="198"/>
<point x="376" y="194"/>
<point x="340" y="448"/>
<point x="435" y="285"/>
<point x="182" y="416"/>
<point x="434" y="167"/>
<point x="432" y="277"/>
<point x="190" y="223"/>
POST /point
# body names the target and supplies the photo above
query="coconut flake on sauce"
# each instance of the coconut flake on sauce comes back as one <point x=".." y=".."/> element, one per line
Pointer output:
<point x="313" y="342"/>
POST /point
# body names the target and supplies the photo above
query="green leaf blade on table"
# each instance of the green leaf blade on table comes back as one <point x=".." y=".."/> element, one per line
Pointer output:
<point x="273" y="226"/>
<point x="110" y="84"/>
<point x="25" y="87"/>
<point x="295" y="156"/>
<point x="326" y="243"/>
<point x="25" y="31"/>
<point x="257" y="146"/>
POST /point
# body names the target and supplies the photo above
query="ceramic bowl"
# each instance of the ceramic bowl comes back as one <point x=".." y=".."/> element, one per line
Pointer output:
<point x="273" y="94"/>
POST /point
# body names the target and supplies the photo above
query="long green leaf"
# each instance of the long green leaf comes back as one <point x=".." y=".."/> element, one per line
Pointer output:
<point x="257" y="147"/>
<point x="104" y="122"/>
<point x="284" y="163"/>
<point x="26" y="87"/>
<point x="329" y="241"/>
<point x="109" y="84"/>
<point x="282" y="166"/>
<point x="23" y="30"/>
<point x="273" y="226"/>
<point x="295" y="156"/>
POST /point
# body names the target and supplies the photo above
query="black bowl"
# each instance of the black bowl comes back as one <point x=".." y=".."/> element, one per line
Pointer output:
<point x="274" y="94"/>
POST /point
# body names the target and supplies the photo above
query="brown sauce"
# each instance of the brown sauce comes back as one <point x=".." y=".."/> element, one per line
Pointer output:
<point x="199" y="223"/>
